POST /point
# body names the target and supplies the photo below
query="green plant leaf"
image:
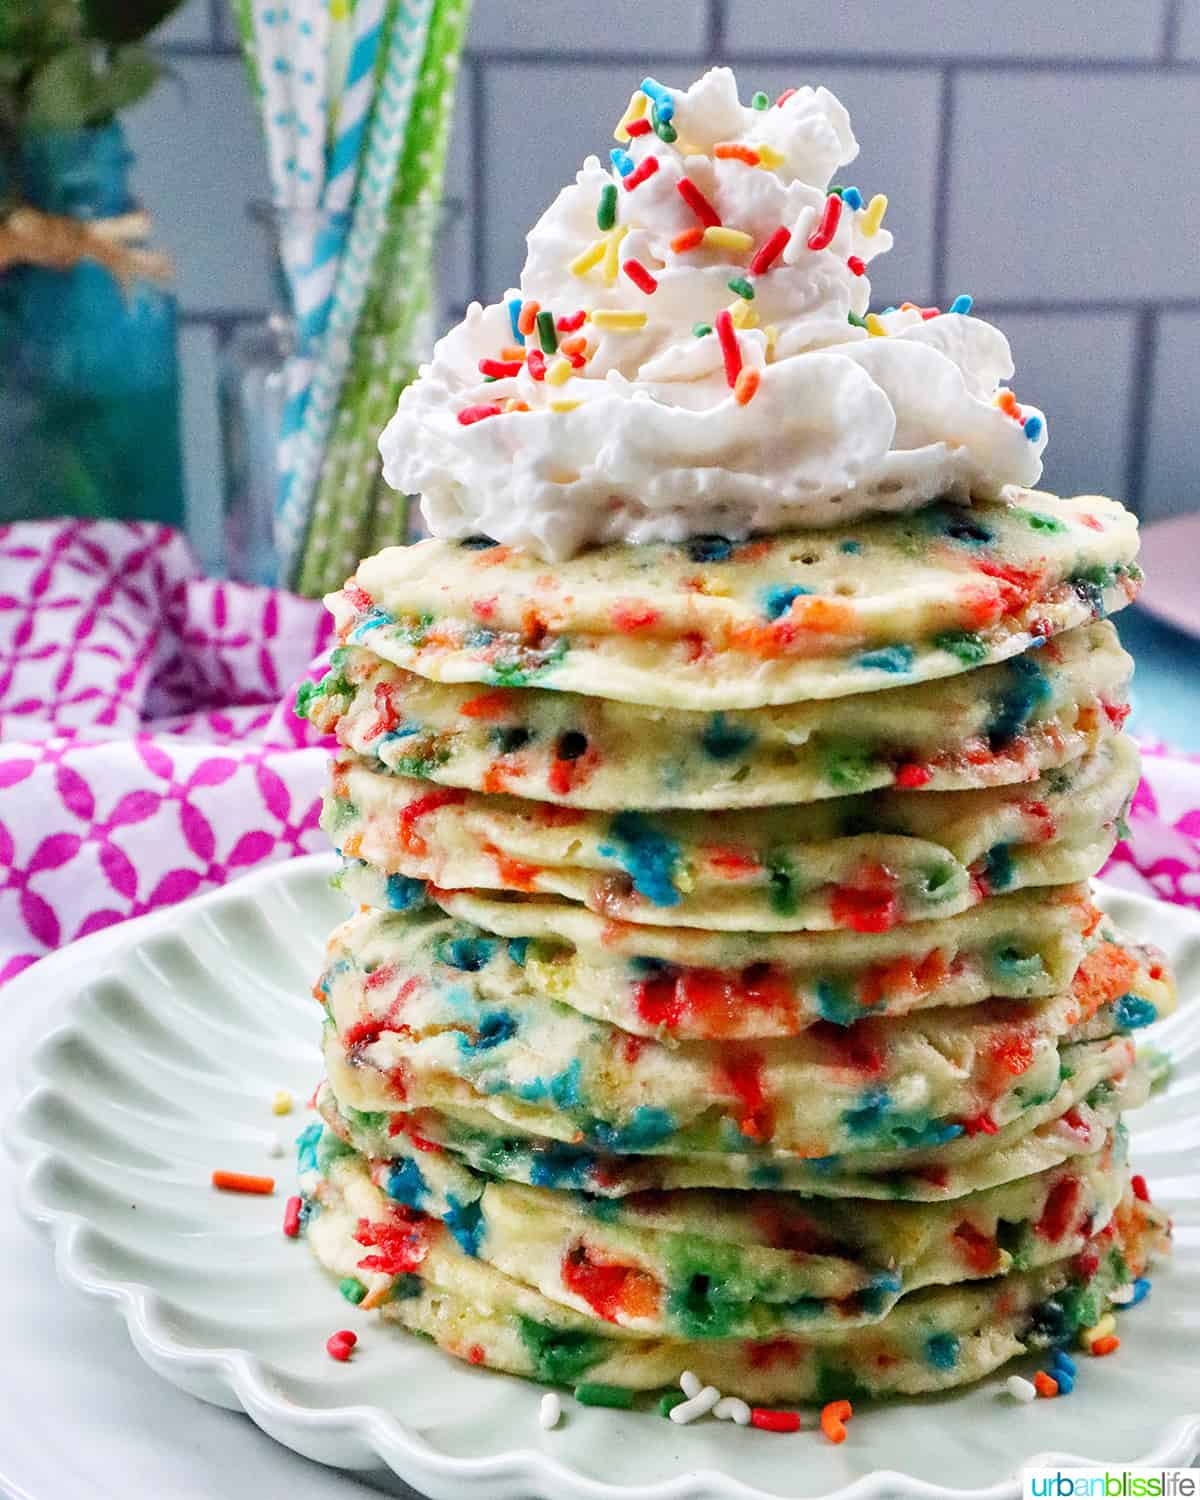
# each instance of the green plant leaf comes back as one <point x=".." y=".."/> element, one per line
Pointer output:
<point x="119" y="22"/>
<point x="61" y="92"/>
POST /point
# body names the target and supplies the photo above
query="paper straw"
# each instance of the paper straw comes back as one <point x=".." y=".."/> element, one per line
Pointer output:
<point x="343" y="526"/>
<point x="385" y="147"/>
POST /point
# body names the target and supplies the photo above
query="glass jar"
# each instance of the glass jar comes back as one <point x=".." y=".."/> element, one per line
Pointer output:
<point x="395" y="333"/>
<point x="89" y="380"/>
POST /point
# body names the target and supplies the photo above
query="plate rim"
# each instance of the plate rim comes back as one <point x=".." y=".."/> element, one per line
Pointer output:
<point x="356" y="1436"/>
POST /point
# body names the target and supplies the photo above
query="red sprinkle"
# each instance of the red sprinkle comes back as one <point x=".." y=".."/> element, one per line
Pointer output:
<point x="774" y="1421"/>
<point x="697" y="202"/>
<point x="784" y="97"/>
<point x="638" y="127"/>
<point x="745" y="387"/>
<point x="732" y="151"/>
<point x="1046" y="1385"/>
<point x="536" y="364"/>
<point x="1138" y="1183"/>
<point x="500" y="368"/>
<point x="242" y="1182"/>
<point x="338" y="1345"/>
<point x="730" y="348"/>
<point x="911" y="776"/>
<point x="1109" y="1344"/>
<point x="291" y="1218"/>
<point x="688" y="239"/>
<point x="823" y="234"/>
<point x="646" y="168"/>
<point x="857" y="264"/>
<point x="572" y="324"/>
<point x="640" y="277"/>
<point x="472" y="414"/>
<point x="770" y="250"/>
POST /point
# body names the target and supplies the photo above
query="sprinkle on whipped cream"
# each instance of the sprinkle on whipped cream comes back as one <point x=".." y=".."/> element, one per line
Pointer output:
<point x="692" y="351"/>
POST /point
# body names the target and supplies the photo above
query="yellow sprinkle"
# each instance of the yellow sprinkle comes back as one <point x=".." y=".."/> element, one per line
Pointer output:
<point x="742" y="314"/>
<point x="282" y="1103"/>
<point x="564" y="405"/>
<point x="612" y="260"/>
<point x="620" y="322"/>
<point x="592" y="256"/>
<point x="635" y="111"/>
<point x="875" y="326"/>
<point x="772" y="334"/>
<point x="768" y="157"/>
<point x="559" y="372"/>
<point x="1106" y="1325"/>
<point x="686" y="148"/>
<point x="727" y="239"/>
<point x="873" y="215"/>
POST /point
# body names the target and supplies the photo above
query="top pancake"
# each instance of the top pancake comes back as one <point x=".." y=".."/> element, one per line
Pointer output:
<point x="710" y="624"/>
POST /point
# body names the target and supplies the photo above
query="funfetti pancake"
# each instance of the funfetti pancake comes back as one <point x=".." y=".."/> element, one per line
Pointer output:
<point x="869" y="862"/>
<point x="413" y="1268"/>
<point x="690" y="984"/>
<point x="1001" y="724"/>
<point x="719" y="1265"/>
<point x="410" y="1019"/>
<point x="709" y="626"/>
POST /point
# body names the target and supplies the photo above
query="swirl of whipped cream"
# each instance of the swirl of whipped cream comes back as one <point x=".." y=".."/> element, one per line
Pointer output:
<point x="636" y="428"/>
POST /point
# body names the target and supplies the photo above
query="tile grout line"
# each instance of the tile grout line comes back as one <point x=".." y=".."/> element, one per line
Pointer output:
<point x="1172" y="23"/>
<point x="941" y="207"/>
<point x="717" y="18"/>
<point x="216" y="22"/>
<point x="1139" y="408"/>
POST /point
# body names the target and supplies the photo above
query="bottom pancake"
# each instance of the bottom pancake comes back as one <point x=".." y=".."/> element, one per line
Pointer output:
<point x="410" y="1267"/>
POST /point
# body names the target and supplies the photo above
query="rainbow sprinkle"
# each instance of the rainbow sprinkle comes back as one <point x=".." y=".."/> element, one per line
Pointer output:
<point x="621" y="160"/>
<point x="613" y="320"/>
<point x="770" y="250"/>
<point x="547" y="337"/>
<point x="660" y="96"/>
<point x="647" y="168"/>
<point x="730" y="349"/>
<point x="742" y="287"/>
<point x="873" y="217"/>
<point x="759" y="100"/>
<point x="606" y="211"/>
<point x="728" y="239"/>
<point x="514" y="314"/>
<point x="697" y="202"/>
<point x="831" y="217"/>
<point x="963" y="303"/>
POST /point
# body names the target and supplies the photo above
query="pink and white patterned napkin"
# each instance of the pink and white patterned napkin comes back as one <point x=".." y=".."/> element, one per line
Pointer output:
<point x="148" y="750"/>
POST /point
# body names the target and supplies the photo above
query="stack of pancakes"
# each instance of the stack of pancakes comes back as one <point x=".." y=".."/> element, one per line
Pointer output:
<point x="725" y="992"/>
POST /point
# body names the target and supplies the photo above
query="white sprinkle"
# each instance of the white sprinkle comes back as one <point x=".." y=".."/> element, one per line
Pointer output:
<point x="1021" y="1389"/>
<point x="276" y="1148"/>
<point x="550" y="1410"/>
<point x="690" y="1384"/>
<point x="1122" y="1296"/>
<point x="732" y="1409"/>
<point x="698" y="1406"/>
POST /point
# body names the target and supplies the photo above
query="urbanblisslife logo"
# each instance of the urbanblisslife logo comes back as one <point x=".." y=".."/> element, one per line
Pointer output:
<point x="1110" y="1484"/>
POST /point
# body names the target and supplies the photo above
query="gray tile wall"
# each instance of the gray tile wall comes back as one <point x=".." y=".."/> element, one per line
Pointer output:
<point x="1041" y="154"/>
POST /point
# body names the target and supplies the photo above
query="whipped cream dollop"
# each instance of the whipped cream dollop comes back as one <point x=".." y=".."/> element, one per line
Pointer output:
<point x="690" y="351"/>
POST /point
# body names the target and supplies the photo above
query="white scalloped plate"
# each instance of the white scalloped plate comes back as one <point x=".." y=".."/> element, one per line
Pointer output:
<point x="165" y="1054"/>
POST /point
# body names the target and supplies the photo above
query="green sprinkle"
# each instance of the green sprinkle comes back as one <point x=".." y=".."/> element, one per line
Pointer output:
<point x="663" y="129"/>
<point x="546" y="334"/>
<point x="668" y="1401"/>
<point x="854" y="319"/>
<point x="742" y="287"/>
<point x="969" y="648"/>
<point x="305" y="694"/>
<point x="606" y="214"/>
<point x="759" y="100"/>
<point x="702" y="330"/>
<point x="352" y="1289"/>
<point x="591" y="1393"/>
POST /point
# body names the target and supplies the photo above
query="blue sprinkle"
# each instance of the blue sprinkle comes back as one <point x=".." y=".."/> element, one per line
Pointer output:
<point x="647" y="1127"/>
<point x="405" y="732"/>
<point x="1061" y="1360"/>
<point x="888" y="310"/>
<point x="850" y="546"/>
<point x="306" y="1147"/>
<point x="1132" y="1011"/>
<point x="723" y="740"/>
<point x="836" y="1003"/>
<point x="704" y="549"/>
<point x="514" y="313"/>
<point x="518" y="950"/>
<point x="494" y="1027"/>
<point x="465" y="1223"/>
<point x="661" y="96"/>
<point x="372" y="620"/>
<point x="941" y="1350"/>
<point x="778" y="599"/>
<point x="1033" y="428"/>
<point x="998" y="867"/>
<point x="1141" y="1290"/>
<point x="559" y="1166"/>
<point x="869" y="1114"/>
<point x="468" y="953"/>
<point x="852" y="198"/>
<point x="1066" y="1383"/>
<point x="406" y="1185"/>
<point x="621" y="160"/>
<point x="963" y="303"/>
<point x="648" y="855"/>
<point x="888" y="659"/>
<point x="403" y="893"/>
<point x="564" y="1087"/>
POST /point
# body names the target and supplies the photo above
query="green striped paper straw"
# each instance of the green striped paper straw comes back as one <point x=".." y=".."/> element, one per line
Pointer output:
<point x="345" y="523"/>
